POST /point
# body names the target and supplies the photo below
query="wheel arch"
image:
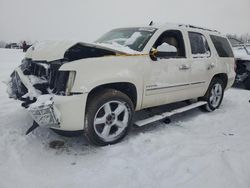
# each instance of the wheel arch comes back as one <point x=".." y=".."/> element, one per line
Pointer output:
<point x="125" y="87"/>
<point x="223" y="77"/>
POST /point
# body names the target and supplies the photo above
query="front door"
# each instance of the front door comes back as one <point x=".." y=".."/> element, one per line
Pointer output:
<point x="168" y="79"/>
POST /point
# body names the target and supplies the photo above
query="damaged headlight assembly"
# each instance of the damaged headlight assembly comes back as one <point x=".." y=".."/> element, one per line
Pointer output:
<point x="25" y="84"/>
<point x="64" y="83"/>
<point x="43" y="111"/>
<point x="70" y="82"/>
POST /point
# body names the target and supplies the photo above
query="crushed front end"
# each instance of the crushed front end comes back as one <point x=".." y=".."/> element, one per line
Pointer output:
<point x="46" y="89"/>
<point x="36" y="83"/>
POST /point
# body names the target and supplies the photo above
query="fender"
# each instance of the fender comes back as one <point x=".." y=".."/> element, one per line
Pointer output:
<point x="93" y="72"/>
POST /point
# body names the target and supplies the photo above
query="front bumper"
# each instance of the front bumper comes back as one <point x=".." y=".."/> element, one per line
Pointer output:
<point x="60" y="112"/>
<point x="45" y="114"/>
<point x="52" y="111"/>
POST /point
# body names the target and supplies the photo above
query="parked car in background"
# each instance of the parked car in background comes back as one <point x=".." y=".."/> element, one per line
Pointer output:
<point x="13" y="46"/>
<point x="97" y="87"/>
<point x="242" y="58"/>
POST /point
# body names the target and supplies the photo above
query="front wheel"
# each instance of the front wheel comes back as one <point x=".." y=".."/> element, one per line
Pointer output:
<point x="108" y="117"/>
<point x="214" y="95"/>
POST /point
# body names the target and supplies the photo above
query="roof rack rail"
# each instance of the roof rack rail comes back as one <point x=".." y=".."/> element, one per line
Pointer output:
<point x="195" y="27"/>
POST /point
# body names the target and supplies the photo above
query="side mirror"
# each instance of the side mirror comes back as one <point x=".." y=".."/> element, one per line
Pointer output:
<point x="165" y="50"/>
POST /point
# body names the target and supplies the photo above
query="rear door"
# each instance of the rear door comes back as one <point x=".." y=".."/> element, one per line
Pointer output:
<point x="203" y="63"/>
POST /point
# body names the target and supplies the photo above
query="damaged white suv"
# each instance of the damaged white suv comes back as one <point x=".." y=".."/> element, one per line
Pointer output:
<point x="97" y="87"/>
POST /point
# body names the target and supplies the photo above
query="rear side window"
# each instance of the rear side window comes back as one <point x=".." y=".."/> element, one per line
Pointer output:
<point x="222" y="46"/>
<point x="199" y="45"/>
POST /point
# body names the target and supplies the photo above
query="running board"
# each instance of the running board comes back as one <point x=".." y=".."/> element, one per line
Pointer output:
<point x="168" y="114"/>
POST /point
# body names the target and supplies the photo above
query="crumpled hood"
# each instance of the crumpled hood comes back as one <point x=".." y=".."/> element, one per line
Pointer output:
<point x="55" y="50"/>
<point x="48" y="50"/>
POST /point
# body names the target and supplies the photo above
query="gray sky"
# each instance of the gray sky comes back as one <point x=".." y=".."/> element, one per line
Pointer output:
<point x="86" y="20"/>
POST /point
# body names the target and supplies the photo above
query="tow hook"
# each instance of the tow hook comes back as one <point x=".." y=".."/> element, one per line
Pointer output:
<point x="32" y="128"/>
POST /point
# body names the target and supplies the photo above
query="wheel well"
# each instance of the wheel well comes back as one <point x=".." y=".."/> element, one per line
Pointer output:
<point x="127" y="88"/>
<point x="223" y="77"/>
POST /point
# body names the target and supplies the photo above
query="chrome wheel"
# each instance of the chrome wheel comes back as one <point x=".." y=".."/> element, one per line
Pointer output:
<point x="216" y="95"/>
<point x="110" y="120"/>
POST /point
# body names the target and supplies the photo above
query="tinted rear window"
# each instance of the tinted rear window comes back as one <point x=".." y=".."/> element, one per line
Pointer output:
<point x="222" y="46"/>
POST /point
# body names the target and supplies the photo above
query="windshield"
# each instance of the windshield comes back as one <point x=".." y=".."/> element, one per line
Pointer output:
<point x="134" y="38"/>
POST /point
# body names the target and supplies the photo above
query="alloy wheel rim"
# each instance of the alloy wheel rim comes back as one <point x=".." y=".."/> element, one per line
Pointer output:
<point x="110" y="120"/>
<point x="216" y="95"/>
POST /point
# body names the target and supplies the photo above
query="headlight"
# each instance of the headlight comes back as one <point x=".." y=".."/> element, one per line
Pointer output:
<point x="64" y="82"/>
<point x="70" y="82"/>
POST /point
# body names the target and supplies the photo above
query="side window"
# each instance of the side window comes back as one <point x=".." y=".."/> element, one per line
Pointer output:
<point x="222" y="46"/>
<point x="199" y="45"/>
<point x="174" y="40"/>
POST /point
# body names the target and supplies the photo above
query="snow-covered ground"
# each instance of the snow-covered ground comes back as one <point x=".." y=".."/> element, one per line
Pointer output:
<point x="196" y="150"/>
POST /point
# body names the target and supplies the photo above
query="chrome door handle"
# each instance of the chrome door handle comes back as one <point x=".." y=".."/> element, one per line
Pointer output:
<point x="184" y="67"/>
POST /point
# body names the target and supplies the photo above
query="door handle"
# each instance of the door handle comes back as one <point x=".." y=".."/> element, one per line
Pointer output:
<point x="184" y="67"/>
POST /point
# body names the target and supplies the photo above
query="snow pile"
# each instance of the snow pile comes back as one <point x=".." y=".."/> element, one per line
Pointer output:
<point x="203" y="150"/>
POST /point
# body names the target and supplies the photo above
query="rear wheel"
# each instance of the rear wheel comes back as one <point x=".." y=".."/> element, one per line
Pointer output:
<point x="108" y="117"/>
<point x="214" y="95"/>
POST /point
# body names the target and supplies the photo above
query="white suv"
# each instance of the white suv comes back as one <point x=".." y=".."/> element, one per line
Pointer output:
<point x="97" y="87"/>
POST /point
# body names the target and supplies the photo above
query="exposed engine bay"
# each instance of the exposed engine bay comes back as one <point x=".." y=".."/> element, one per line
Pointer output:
<point x="242" y="60"/>
<point x="243" y="74"/>
<point x="45" y="78"/>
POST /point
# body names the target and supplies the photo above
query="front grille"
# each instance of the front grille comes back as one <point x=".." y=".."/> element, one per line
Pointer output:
<point x="36" y="68"/>
<point x="56" y="80"/>
<point x="53" y="74"/>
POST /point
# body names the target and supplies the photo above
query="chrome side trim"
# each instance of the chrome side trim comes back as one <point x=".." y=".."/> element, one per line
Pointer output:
<point x="180" y="85"/>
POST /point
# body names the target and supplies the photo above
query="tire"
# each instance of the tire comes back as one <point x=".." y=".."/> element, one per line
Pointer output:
<point x="108" y="117"/>
<point x="214" y="95"/>
<point x="247" y="83"/>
